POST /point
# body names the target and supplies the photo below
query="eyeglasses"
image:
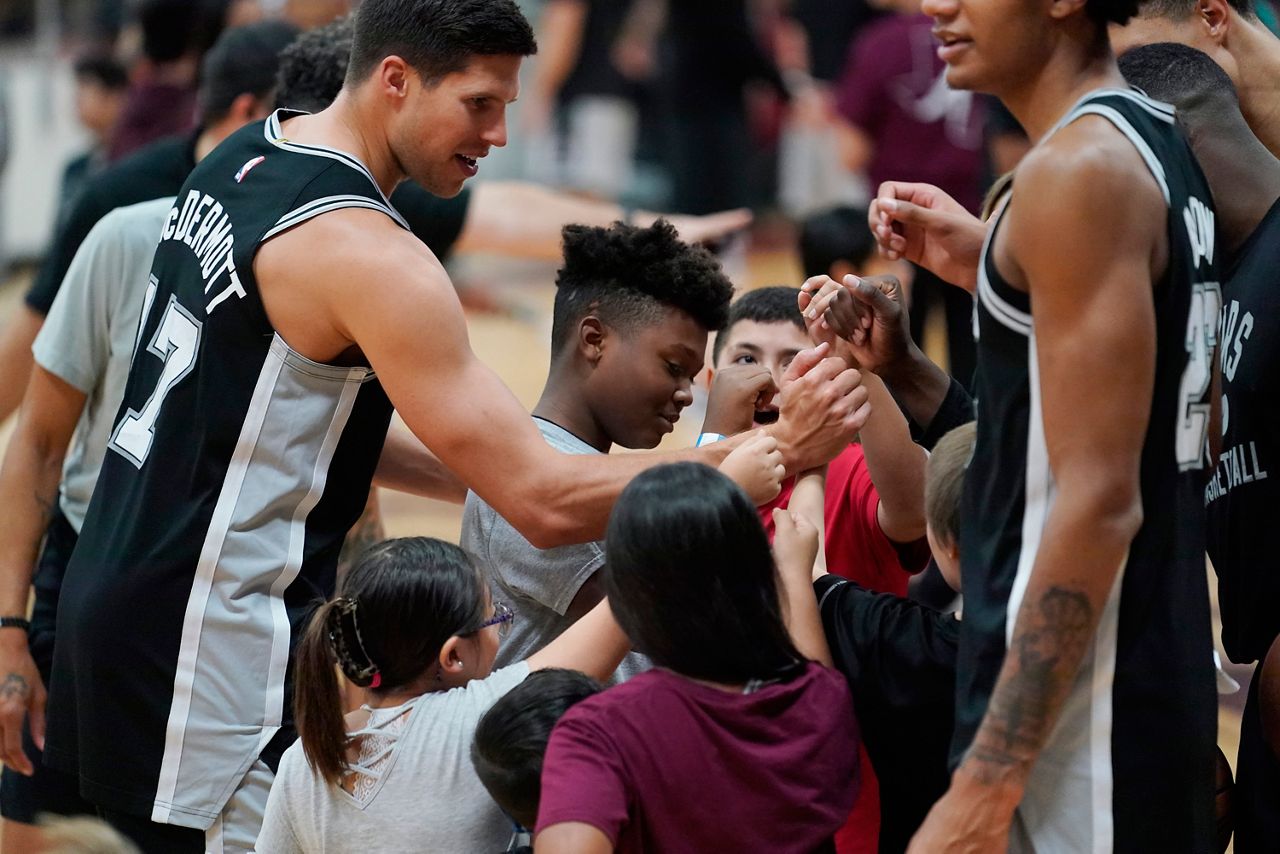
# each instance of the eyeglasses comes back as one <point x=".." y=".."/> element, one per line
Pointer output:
<point x="502" y="617"/>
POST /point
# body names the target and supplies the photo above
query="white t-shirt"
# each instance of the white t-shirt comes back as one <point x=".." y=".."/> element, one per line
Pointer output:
<point x="427" y="797"/>
<point x="88" y="338"/>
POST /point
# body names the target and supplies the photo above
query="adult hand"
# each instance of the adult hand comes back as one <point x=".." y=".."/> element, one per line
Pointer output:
<point x="823" y="406"/>
<point x="867" y="315"/>
<point x="737" y="392"/>
<point x="925" y="226"/>
<point x="22" y="698"/>
<point x="795" y="545"/>
<point x="756" y="466"/>
<point x="969" y="818"/>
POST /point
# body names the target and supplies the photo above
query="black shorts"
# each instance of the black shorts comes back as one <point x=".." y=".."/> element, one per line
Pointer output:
<point x="23" y="798"/>
<point x="1257" y="792"/>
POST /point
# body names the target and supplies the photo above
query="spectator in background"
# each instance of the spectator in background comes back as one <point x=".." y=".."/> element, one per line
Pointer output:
<point x="162" y="98"/>
<point x="581" y="101"/>
<point x="715" y="54"/>
<point x="906" y="124"/>
<point x="101" y="86"/>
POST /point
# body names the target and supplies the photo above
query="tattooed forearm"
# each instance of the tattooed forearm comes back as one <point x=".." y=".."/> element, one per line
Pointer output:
<point x="365" y="532"/>
<point x="14" y="687"/>
<point x="1048" y="643"/>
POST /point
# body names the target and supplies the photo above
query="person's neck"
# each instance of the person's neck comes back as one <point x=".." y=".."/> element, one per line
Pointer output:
<point x="1257" y="53"/>
<point x="350" y="125"/>
<point x="212" y="136"/>
<point x="1040" y="101"/>
<point x="563" y="404"/>
<point x="1246" y="175"/>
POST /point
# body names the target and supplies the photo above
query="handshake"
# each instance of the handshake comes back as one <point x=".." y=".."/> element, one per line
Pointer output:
<point x="821" y="402"/>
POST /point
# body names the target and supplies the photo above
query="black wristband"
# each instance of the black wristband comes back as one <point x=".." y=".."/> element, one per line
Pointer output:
<point x="16" y="623"/>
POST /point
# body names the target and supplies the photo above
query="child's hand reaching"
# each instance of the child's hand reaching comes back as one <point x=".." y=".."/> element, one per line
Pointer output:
<point x="756" y="466"/>
<point x="795" y="545"/>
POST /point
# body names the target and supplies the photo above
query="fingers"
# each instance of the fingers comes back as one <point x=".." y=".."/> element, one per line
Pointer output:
<point x="35" y="716"/>
<point x="11" y="751"/>
<point x="806" y="360"/>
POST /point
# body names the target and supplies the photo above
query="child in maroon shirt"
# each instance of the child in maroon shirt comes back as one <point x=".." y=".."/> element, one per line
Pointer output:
<point x="734" y="742"/>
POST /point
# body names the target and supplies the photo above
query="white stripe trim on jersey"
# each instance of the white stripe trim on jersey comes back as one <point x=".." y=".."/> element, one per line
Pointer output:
<point x="1039" y="495"/>
<point x="274" y="712"/>
<point x="202" y="587"/>
<point x="1105" y="645"/>
<point x="1122" y="125"/>
<point x="275" y="135"/>
<point x="1158" y="109"/>
<point x="1009" y="316"/>
<point x="332" y="203"/>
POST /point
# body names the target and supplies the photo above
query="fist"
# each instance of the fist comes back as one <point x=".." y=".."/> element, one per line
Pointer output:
<point x="737" y="393"/>
<point x="756" y="466"/>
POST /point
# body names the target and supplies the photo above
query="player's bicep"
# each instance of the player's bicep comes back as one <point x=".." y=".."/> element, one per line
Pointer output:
<point x="1091" y="285"/>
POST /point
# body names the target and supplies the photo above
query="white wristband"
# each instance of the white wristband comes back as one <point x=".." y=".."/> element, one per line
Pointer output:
<point x="708" y="439"/>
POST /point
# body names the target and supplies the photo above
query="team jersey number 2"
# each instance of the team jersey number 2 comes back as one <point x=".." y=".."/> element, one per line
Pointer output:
<point x="1193" y="398"/>
<point x="176" y="342"/>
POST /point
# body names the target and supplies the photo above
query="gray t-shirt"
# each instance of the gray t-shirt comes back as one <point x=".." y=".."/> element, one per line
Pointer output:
<point x="538" y="584"/>
<point x="427" y="796"/>
<point x="88" y="338"/>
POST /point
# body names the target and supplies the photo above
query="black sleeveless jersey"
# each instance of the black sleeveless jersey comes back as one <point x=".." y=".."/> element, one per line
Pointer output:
<point x="236" y="467"/>
<point x="1128" y="766"/>
<point x="1243" y="495"/>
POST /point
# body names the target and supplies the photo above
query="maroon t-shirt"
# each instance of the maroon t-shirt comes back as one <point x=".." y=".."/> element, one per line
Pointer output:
<point x="662" y="763"/>
<point x="893" y="88"/>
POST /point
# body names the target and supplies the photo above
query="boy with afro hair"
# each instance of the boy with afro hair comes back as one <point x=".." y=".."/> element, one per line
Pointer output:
<point x="633" y="309"/>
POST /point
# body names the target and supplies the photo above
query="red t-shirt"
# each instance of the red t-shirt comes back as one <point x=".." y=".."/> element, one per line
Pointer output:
<point x="662" y="763"/>
<point x="858" y="549"/>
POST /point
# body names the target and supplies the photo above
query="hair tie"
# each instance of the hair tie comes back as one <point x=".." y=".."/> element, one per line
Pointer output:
<point x="347" y="645"/>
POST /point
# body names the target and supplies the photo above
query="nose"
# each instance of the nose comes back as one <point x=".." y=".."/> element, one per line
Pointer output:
<point x="496" y="133"/>
<point x="940" y="10"/>
<point x="684" y="393"/>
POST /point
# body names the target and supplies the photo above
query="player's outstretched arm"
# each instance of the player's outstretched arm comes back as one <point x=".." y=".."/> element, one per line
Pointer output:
<point x="925" y="226"/>
<point x="518" y="218"/>
<point x="29" y="481"/>
<point x="1090" y="279"/>
<point x="407" y="465"/>
<point x="799" y="555"/>
<point x="16" y="338"/>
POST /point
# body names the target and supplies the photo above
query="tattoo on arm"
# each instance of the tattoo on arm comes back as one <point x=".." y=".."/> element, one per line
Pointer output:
<point x="365" y="532"/>
<point x="14" y="687"/>
<point x="1041" y="665"/>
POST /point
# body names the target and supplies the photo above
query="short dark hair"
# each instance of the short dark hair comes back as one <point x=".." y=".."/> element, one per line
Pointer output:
<point x="1179" y="75"/>
<point x="691" y="579"/>
<point x="838" y="234"/>
<point x="313" y="67"/>
<point x="1104" y="12"/>
<point x="944" y="481"/>
<point x="627" y="275"/>
<point x="511" y="738"/>
<point x="1180" y="10"/>
<point x="102" y="69"/>
<point x="244" y="60"/>
<point x="437" y="37"/>
<point x="776" y="304"/>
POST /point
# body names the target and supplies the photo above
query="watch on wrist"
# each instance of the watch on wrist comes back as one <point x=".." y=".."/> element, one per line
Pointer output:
<point x="16" y="623"/>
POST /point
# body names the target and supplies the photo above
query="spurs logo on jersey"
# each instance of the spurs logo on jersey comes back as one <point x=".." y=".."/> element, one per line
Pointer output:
<point x="1241" y="463"/>
<point x="1202" y="338"/>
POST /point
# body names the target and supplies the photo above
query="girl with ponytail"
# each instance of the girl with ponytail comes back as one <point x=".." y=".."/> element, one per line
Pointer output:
<point x="414" y="625"/>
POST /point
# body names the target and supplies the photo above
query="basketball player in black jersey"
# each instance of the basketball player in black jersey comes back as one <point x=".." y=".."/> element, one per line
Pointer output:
<point x="1085" y="696"/>
<point x="289" y="311"/>
<point x="1243" y="493"/>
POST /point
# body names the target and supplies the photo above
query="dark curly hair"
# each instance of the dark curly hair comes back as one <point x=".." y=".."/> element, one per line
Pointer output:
<point x="776" y="304"/>
<point x="313" y="67"/>
<point x="626" y="275"/>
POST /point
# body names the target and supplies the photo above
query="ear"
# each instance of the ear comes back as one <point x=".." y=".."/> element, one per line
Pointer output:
<point x="591" y="338"/>
<point x="452" y="662"/>
<point x="1062" y="9"/>
<point x="247" y="108"/>
<point x="1216" y="17"/>
<point x="393" y="77"/>
<point x="708" y="377"/>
